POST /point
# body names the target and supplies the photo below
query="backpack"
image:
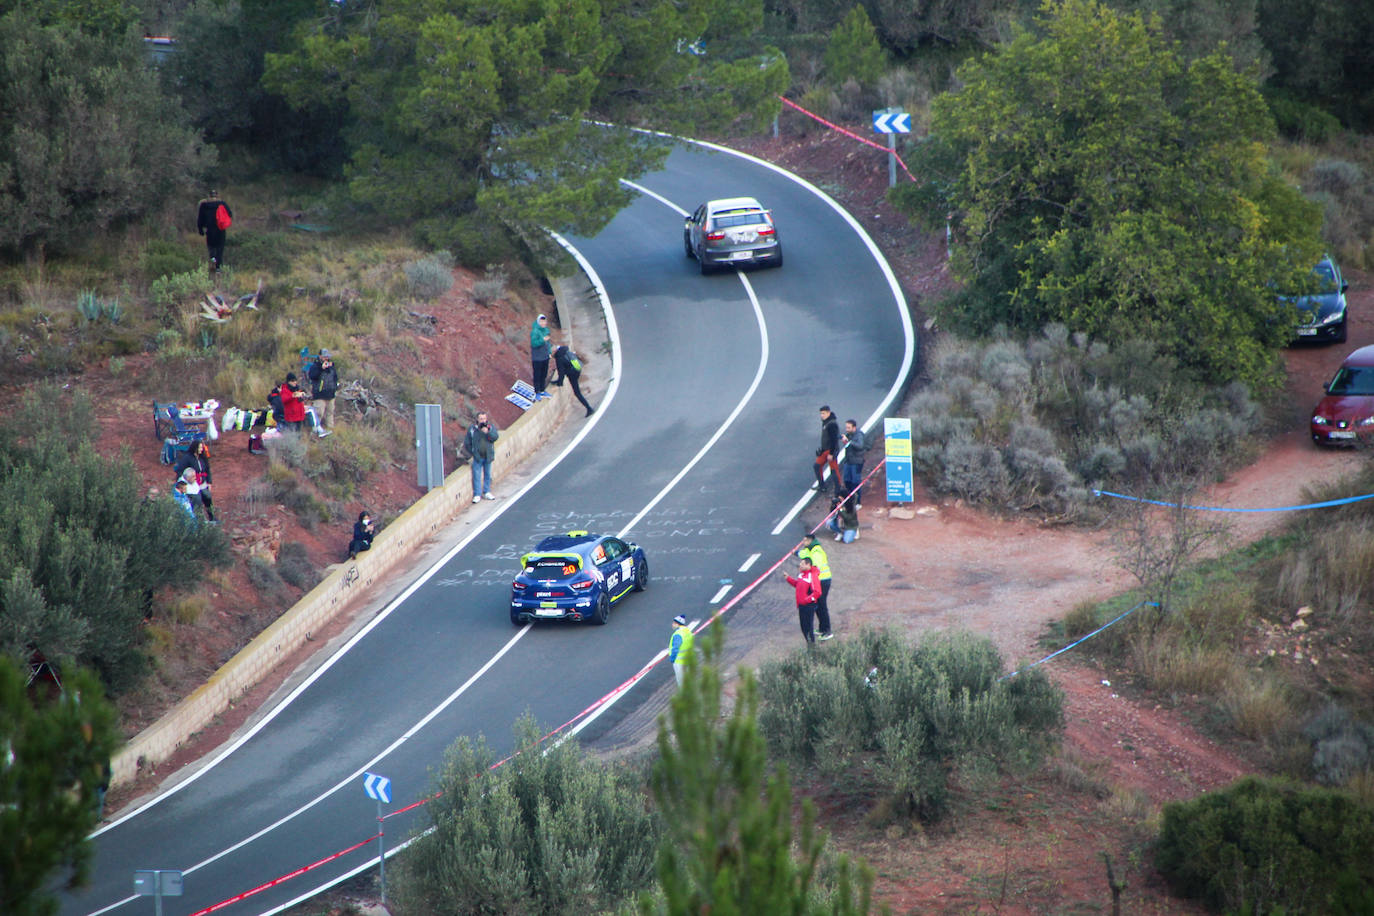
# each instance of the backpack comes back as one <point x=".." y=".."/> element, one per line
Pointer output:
<point x="222" y="218"/>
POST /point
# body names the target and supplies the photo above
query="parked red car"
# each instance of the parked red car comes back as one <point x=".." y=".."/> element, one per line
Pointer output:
<point x="1346" y="414"/>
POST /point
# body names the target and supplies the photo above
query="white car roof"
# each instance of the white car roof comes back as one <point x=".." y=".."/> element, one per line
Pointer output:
<point x="733" y="203"/>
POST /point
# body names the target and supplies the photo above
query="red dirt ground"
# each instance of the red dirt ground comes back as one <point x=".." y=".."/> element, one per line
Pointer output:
<point x="1032" y="847"/>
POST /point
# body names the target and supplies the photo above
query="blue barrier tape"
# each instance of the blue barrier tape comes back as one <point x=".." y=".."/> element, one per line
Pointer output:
<point x="1155" y="502"/>
<point x="1081" y="639"/>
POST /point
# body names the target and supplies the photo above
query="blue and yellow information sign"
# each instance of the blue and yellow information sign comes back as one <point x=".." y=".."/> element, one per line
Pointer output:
<point x="897" y="446"/>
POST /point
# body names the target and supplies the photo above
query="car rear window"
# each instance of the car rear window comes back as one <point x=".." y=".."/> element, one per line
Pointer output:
<point x="1353" y="380"/>
<point x="726" y="220"/>
<point x="551" y="568"/>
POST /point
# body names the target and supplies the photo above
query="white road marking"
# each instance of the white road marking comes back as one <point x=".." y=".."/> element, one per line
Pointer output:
<point x="724" y="590"/>
<point x="753" y="558"/>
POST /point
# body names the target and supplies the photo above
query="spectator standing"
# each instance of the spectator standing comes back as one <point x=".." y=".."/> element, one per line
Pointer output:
<point x="195" y="467"/>
<point x="855" y="452"/>
<point x="830" y="446"/>
<point x="814" y="552"/>
<point x="363" y="532"/>
<point x="181" y="499"/>
<point x="292" y="403"/>
<point x="680" y="647"/>
<point x="480" y="443"/>
<point x="569" y="366"/>
<point x="539" y="356"/>
<point x="213" y="217"/>
<point x="808" y="593"/>
<point x="324" y="384"/>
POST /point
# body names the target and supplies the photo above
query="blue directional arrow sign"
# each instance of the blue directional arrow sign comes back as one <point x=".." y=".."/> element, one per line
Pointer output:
<point x="891" y="122"/>
<point x="378" y="787"/>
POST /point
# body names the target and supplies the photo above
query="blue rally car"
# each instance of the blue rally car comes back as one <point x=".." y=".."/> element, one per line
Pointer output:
<point x="576" y="576"/>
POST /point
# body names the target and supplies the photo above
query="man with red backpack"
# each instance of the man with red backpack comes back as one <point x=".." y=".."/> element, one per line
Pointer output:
<point x="213" y="219"/>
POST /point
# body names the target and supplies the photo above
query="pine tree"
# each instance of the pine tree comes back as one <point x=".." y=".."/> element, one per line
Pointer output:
<point x="729" y="844"/>
<point x="54" y="764"/>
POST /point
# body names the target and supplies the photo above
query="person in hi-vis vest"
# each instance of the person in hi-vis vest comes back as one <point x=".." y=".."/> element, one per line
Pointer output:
<point x="680" y="647"/>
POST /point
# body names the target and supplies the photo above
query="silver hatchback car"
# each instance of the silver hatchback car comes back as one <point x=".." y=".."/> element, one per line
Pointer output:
<point x="737" y="230"/>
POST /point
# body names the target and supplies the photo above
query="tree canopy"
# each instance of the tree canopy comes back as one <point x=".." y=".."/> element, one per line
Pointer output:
<point x="475" y="119"/>
<point x="1095" y="179"/>
<point x="88" y="140"/>
<point x="54" y="759"/>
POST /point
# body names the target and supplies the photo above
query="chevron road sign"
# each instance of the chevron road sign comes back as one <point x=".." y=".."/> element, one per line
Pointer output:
<point x="378" y="787"/>
<point x="891" y="122"/>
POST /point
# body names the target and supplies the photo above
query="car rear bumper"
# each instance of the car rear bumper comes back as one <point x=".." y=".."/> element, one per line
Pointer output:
<point x="578" y="608"/>
<point x="743" y="256"/>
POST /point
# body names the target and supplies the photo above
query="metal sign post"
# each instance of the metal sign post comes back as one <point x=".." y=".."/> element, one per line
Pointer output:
<point x="379" y="787"/>
<point x="429" y="445"/>
<point x="157" y="883"/>
<point x="891" y="121"/>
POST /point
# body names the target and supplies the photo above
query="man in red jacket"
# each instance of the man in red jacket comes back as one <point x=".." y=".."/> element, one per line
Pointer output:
<point x="808" y="585"/>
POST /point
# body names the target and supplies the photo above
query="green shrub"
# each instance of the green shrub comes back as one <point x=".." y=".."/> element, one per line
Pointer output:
<point x="548" y="832"/>
<point x="1342" y="746"/>
<point x="431" y="276"/>
<point x="1298" y="120"/>
<point x="894" y="719"/>
<point x="1035" y="425"/>
<point x="167" y="259"/>
<point x="1261" y="844"/>
<point x="295" y="568"/>
<point x="266" y="580"/>
<point x="264" y="251"/>
<point x="492" y="288"/>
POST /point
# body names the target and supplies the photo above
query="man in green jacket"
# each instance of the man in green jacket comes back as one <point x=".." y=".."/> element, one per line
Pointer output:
<point x="539" y="356"/>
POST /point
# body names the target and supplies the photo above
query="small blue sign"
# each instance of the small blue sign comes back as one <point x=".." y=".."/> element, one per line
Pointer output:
<point x="378" y="787"/>
<point x="897" y="446"/>
<point x="891" y="122"/>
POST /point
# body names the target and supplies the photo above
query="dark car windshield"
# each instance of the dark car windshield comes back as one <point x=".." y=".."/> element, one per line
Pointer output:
<point x="551" y="567"/>
<point x="726" y="220"/>
<point x="1358" y="380"/>
<point x="1326" y="277"/>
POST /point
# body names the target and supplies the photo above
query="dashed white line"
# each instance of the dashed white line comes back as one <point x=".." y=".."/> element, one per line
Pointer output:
<point x="724" y="590"/>
<point x="754" y="558"/>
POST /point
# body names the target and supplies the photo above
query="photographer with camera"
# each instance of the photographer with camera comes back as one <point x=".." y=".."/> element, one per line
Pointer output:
<point x="364" y="530"/>
<point x="480" y="443"/>
<point x="324" y="384"/>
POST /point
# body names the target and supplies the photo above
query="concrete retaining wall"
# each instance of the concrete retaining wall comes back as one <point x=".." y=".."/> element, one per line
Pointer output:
<point x="393" y="545"/>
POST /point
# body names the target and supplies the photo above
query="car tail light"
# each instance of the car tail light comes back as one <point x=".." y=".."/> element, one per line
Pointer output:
<point x="518" y="586"/>
<point x="714" y="236"/>
<point x="765" y="230"/>
<point x="583" y="585"/>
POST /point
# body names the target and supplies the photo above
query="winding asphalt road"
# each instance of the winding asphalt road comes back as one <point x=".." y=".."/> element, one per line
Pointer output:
<point x="700" y="452"/>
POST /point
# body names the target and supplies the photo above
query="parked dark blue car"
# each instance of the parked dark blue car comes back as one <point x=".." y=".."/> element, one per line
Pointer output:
<point x="1322" y="312"/>
<point x="576" y="576"/>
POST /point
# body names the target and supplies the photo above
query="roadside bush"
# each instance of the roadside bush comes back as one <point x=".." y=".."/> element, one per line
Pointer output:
<point x="431" y="276"/>
<point x="548" y="832"/>
<point x="1342" y="746"/>
<point x="1262" y="844"/>
<point x="1037" y="425"/>
<point x="295" y="568"/>
<point x="266" y="580"/>
<point x="878" y="715"/>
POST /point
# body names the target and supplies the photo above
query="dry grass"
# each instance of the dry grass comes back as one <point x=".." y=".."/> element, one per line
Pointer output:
<point x="1172" y="664"/>
<point x="1258" y="706"/>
